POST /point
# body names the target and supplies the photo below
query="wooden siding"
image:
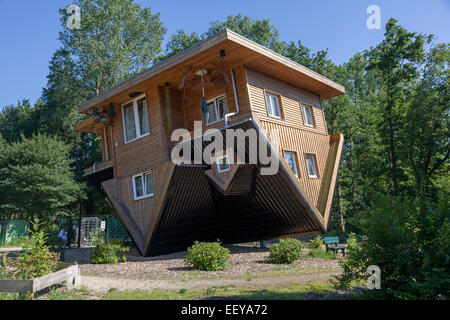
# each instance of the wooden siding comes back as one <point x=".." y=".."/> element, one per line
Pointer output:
<point x="290" y="104"/>
<point x="144" y="153"/>
<point x="144" y="212"/>
<point x="302" y="142"/>
<point x="330" y="175"/>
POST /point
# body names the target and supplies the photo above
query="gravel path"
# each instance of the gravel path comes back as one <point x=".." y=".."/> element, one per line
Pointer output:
<point x="101" y="284"/>
<point x="244" y="260"/>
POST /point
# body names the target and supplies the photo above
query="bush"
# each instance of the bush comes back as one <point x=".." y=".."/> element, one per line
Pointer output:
<point x="286" y="251"/>
<point x="36" y="260"/>
<point x="108" y="252"/>
<point x="207" y="256"/>
<point x="315" y="243"/>
<point x="409" y="240"/>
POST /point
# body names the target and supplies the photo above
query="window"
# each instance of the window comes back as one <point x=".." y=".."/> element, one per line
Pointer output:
<point x="311" y="166"/>
<point x="135" y="119"/>
<point x="273" y="105"/>
<point x="223" y="164"/>
<point x="217" y="108"/>
<point x="142" y="185"/>
<point x="291" y="159"/>
<point x="308" y="119"/>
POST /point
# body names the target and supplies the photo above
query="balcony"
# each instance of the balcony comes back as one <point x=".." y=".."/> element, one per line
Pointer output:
<point x="100" y="172"/>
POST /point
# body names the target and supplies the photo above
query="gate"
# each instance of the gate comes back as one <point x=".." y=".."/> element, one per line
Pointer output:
<point x="90" y="229"/>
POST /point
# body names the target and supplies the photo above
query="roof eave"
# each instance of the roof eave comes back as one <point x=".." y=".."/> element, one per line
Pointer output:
<point x="335" y="89"/>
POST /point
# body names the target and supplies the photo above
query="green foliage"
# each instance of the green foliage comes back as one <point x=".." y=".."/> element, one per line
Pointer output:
<point x="409" y="240"/>
<point x="315" y="243"/>
<point x="207" y="256"/>
<point x="108" y="252"/>
<point x="286" y="251"/>
<point x="36" y="260"/>
<point x="36" y="180"/>
<point x="22" y="119"/>
<point x="320" y="254"/>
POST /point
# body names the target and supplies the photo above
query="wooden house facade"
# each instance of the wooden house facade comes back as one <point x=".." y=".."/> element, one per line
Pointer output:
<point x="164" y="205"/>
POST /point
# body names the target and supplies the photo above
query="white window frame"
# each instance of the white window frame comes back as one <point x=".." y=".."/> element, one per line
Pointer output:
<point x="295" y="160"/>
<point x="136" y="119"/>
<point x="313" y="156"/>
<point x="216" y="106"/>
<point x="278" y="106"/>
<point x="218" y="163"/>
<point x="144" y="185"/>
<point x="304" y="106"/>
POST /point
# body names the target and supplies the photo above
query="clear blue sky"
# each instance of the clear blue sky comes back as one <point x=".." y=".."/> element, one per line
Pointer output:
<point x="29" y="29"/>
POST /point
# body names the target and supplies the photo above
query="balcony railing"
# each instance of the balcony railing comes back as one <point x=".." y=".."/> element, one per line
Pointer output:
<point x="98" y="166"/>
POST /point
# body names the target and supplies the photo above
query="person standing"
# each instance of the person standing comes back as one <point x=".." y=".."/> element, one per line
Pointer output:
<point x="63" y="236"/>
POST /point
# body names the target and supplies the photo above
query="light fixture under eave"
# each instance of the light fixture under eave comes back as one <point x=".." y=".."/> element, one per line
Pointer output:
<point x="135" y="94"/>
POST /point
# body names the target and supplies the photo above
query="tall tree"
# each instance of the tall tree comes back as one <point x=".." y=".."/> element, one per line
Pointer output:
<point x="20" y="119"/>
<point x="117" y="39"/>
<point x="36" y="180"/>
<point x="426" y="132"/>
<point x="259" y="30"/>
<point x="395" y="60"/>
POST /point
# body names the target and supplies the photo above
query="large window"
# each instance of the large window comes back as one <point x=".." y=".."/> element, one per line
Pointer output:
<point x="135" y="119"/>
<point x="291" y="159"/>
<point x="223" y="164"/>
<point x="143" y="185"/>
<point x="311" y="166"/>
<point x="217" y="108"/>
<point x="308" y="118"/>
<point x="273" y="105"/>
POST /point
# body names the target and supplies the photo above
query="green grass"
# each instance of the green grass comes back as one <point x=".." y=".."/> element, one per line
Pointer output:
<point x="316" y="289"/>
<point x="293" y="292"/>
<point x="15" y="243"/>
<point x="319" y="253"/>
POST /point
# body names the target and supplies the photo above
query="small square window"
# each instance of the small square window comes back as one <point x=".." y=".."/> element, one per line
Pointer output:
<point x="308" y="119"/>
<point x="273" y="105"/>
<point x="223" y="164"/>
<point x="143" y="185"/>
<point x="311" y="166"/>
<point x="291" y="159"/>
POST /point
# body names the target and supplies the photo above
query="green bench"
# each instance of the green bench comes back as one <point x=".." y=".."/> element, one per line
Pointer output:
<point x="332" y="243"/>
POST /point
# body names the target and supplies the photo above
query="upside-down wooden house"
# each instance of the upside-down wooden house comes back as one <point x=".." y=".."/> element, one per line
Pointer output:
<point x="164" y="205"/>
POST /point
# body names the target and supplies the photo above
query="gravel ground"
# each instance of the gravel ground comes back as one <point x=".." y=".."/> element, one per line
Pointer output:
<point x="244" y="259"/>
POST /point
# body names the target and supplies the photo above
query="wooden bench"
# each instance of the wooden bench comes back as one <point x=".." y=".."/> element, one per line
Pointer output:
<point x="332" y="243"/>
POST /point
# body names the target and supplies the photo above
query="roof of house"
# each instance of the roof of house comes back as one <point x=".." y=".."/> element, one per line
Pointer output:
<point x="243" y="51"/>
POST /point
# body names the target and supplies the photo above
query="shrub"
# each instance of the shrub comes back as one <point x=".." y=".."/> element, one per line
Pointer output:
<point x="207" y="256"/>
<point x="315" y="243"/>
<point x="108" y="252"/>
<point x="36" y="260"/>
<point x="286" y="251"/>
<point x="409" y="240"/>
